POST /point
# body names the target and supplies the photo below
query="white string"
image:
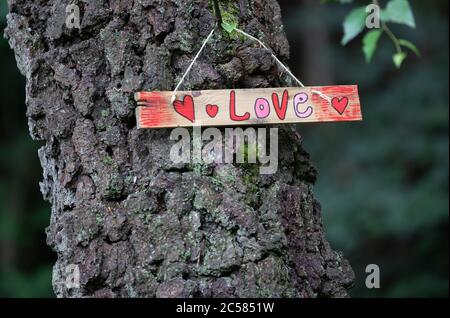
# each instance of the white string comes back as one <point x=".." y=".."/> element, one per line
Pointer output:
<point x="174" y="94"/>
<point x="282" y="65"/>
<point x="273" y="55"/>
<point x="327" y="98"/>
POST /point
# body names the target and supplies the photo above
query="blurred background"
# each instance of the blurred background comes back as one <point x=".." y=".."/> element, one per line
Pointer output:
<point x="383" y="183"/>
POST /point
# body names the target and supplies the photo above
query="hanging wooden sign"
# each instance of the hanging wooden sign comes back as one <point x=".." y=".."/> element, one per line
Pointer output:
<point x="238" y="107"/>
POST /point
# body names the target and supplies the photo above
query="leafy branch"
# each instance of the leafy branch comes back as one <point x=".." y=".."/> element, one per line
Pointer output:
<point x="395" y="11"/>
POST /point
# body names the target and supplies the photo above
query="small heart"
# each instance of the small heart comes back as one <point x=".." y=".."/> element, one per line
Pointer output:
<point x="185" y="108"/>
<point x="212" y="110"/>
<point x="340" y="104"/>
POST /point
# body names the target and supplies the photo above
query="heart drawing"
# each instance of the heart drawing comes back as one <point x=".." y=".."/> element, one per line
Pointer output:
<point x="340" y="104"/>
<point x="185" y="108"/>
<point x="212" y="110"/>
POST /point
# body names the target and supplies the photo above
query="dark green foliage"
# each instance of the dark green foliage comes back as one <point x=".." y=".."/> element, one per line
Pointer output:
<point x="25" y="261"/>
<point x="383" y="183"/>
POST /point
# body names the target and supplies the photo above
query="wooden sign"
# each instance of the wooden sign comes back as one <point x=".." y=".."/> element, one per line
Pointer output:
<point x="237" y="107"/>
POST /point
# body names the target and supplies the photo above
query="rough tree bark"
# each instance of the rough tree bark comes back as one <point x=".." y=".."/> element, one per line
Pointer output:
<point x="135" y="223"/>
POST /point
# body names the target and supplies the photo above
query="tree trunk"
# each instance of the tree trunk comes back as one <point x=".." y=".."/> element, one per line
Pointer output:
<point x="136" y="224"/>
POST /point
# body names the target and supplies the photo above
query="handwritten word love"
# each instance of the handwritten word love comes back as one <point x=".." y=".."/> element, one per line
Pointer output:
<point x="262" y="107"/>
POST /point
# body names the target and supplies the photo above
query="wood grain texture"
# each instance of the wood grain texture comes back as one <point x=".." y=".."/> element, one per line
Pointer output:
<point x="247" y="107"/>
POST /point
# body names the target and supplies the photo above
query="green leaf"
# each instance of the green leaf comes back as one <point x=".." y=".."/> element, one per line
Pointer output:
<point x="229" y="26"/>
<point x="399" y="11"/>
<point x="409" y="45"/>
<point x="370" y="43"/>
<point x="399" y="58"/>
<point x="353" y="24"/>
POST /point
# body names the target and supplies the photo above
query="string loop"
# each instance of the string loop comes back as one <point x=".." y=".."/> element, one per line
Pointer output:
<point x="284" y="67"/>
<point x="273" y="55"/>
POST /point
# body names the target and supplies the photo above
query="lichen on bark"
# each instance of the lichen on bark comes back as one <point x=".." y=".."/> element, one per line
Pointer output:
<point x="136" y="224"/>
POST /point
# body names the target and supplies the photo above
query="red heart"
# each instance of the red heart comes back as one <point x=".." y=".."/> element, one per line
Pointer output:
<point x="212" y="110"/>
<point x="340" y="104"/>
<point x="185" y="108"/>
